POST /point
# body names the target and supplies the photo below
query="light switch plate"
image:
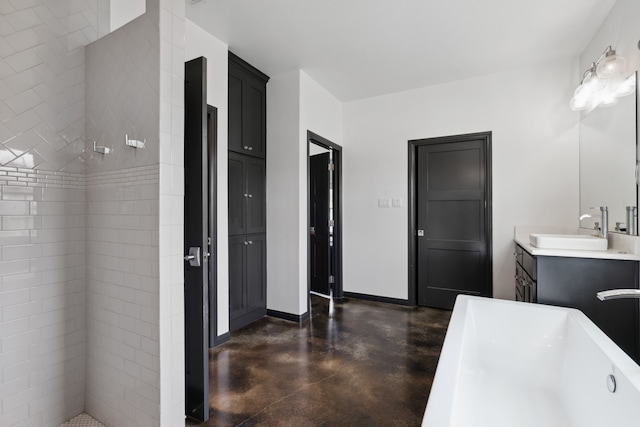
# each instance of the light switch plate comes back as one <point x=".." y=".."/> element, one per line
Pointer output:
<point x="384" y="203"/>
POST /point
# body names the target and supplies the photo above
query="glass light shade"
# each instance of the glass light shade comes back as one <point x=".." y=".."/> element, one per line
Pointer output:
<point x="611" y="65"/>
<point x="626" y="86"/>
<point x="607" y="99"/>
<point x="591" y="84"/>
<point x="579" y="103"/>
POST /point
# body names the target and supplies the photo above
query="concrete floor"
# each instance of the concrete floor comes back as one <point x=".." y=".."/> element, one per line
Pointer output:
<point x="370" y="364"/>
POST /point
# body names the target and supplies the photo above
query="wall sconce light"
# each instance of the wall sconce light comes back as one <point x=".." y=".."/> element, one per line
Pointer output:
<point x="603" y="83"/>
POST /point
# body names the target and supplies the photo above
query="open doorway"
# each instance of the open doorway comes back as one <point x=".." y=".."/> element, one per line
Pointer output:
<point x="324" y="184"/>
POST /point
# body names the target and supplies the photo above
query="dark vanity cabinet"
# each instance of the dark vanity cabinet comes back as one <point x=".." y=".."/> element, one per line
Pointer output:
<point x="574" y="282"/>
<point x="247" y="108"/>
<point x="247" y="193"/>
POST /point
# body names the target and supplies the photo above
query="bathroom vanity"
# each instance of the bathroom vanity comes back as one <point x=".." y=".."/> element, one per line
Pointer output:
<point x="571" y="278"/>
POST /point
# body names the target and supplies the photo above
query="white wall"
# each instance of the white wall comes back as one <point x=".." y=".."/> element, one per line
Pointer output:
<point x="284" y="270"/>
<point x="200" y="43"/>
<point x="620" y="30"/>
<point x="320" y="113"/>
<point x="295" y="104"/>
<point x="535" y="166"/>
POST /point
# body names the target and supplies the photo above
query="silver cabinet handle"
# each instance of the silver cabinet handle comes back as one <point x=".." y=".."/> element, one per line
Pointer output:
<point x="250" y="242"/>
<point x="248" y="195"/>
<point x="245" y="243"/>
<point x="246" y="147"/>
<point x="189" y="257"/>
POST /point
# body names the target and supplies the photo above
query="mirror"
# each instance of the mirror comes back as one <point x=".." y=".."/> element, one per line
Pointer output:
<point x="608" y="144"/>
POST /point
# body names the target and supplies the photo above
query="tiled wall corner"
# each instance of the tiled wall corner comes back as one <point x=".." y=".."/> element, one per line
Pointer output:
<point x="122" y="85"/>
<point x="123" y="280"/>
<point x="172" y="36"/>
<point x="42" y="296"/>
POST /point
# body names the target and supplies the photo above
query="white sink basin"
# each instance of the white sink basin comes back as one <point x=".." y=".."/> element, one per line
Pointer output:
<point x="579" y="242"/>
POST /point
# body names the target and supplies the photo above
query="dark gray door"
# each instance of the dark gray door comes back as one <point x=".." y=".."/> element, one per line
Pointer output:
<point x="452" y="221"/>
<point x="319" y="221"/>
<point x="196" y="295"/>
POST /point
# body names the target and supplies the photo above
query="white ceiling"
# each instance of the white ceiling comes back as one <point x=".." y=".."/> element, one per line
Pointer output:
<point x="361" y="48"/>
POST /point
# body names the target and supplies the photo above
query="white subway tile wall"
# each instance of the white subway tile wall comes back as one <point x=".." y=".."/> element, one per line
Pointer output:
<point x="123" y="341"/>
<point x="42" y="82"/>
<point x="172" y="57"/>
<point x="42" y="296"/>
<point x="123" y="386"/>
<point x="80" y="280"/>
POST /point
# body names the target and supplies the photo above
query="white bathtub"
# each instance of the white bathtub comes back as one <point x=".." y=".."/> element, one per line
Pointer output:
<point x="508" y="363"/>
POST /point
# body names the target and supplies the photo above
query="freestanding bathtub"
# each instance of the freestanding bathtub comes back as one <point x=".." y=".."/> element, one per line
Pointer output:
<point x="516" y="364"/>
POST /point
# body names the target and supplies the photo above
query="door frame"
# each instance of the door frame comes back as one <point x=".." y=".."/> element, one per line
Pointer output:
<point x="337" y="212"/>
<point x="412" y="203"/>
<point x="212" y="144"/>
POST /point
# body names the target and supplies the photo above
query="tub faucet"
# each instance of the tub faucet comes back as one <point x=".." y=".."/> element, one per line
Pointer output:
<point x="618" y="293"/>
<point x="604" y="219"/>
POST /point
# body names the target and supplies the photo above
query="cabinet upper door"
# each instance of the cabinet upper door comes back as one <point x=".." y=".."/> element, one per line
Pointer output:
<point x="247" y="108"/>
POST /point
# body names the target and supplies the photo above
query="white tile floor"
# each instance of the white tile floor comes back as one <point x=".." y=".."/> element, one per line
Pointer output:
<point x="83" y="420"/>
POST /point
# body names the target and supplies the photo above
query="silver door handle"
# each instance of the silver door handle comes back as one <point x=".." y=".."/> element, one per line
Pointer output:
<point x="193" y="257"/>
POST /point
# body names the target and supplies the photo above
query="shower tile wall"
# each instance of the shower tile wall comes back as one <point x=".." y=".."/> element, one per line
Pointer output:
<point x="42" y="295"/>
<point x="172" y="34"/>
<point x="122" y="359"/>
<point x="123" y="339"/>
<point x="42" y="232"/>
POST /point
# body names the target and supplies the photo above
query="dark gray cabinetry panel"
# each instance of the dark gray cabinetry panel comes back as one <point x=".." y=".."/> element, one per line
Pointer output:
<point x="247" y="108"/>
<point x="247" y="279"/>
<point x="247" y="195"/>
<point x="574" y="282"/>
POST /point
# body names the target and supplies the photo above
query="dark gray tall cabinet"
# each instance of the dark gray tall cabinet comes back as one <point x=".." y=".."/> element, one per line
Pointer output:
<point x="247" y="193"/>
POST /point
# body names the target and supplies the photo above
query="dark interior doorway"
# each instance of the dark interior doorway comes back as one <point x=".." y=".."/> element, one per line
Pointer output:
<point x="450" y="219"/>
<point x="324" y="180"/>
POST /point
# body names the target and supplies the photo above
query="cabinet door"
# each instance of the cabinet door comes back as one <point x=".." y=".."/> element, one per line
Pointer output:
<point x="255" y="107"/>
<point x="247" y="112"/>
<point x="236" y="86"/>
<point x="237" y="199"/>
<point x="237" y="271"/>
<point x="256" y="195"/>
<point x="256" y="271"/>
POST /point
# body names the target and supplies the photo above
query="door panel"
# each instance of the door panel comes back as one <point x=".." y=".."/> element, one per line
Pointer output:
<point x="256" y="275"/>
<point x="255" y="188"/>
<point x="237" y="200"/>
<point x="451" y="193"/>
<point x="196" y="285"/>
<point x="319" y="222"/>
<point x="235" y="113"/>
<point x="237" y="295"/>
<point x="255" y="107"/>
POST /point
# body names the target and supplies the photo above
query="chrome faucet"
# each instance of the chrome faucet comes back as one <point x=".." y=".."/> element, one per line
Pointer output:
<point x="618" y="293"/>
<point x="604" y="219"/>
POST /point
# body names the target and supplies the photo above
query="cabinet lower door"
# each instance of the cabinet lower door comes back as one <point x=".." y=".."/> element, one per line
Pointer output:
<point x="247" y="279"/>
<point x="237" y="297"/>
